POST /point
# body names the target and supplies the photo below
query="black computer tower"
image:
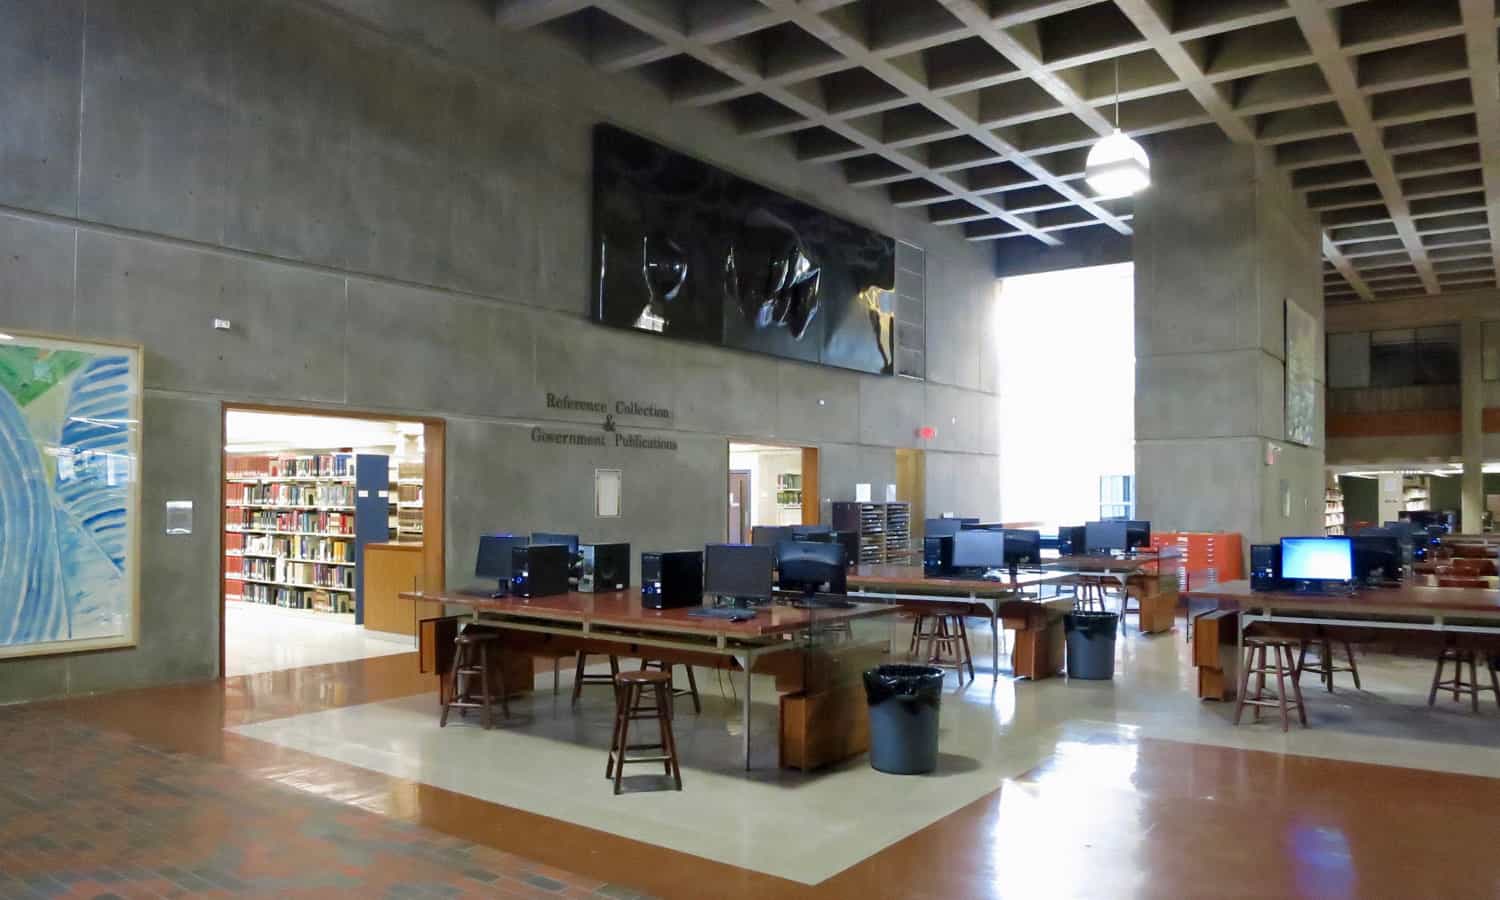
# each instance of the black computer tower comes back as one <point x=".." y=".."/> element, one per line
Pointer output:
<point x="539" y="570"/>
<point x="604" y="567"/>
<point x="850" y="542"/>
<point x="672" y="579"/>
<point x="1265" y="567"/>
<point x="1070" y="541"/>
<point x="937" y="554"/>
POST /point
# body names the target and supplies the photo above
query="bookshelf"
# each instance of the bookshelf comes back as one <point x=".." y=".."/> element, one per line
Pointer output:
<point x="1333" y="511"/>
<point x="884" y="530"/>
<point x="290" y="530"/>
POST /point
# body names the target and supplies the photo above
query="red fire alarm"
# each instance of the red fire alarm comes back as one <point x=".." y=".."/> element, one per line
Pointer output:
<point x="926" y="432"/>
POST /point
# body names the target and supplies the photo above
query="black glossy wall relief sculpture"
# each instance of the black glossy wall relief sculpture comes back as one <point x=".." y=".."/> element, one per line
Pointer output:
<point x="690" y="251"/>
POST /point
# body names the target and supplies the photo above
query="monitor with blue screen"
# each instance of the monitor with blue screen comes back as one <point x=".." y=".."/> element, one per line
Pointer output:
<point x="1318" y="560"/>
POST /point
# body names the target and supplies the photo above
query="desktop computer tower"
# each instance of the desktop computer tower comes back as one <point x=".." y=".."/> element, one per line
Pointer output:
<point x="1070" y="541"/>
<point x="850" y="542"/>
<point x="540" y="570"/>
<point x="937" y="555"/>
<point x="672" y="579"/>
<point x="1265" y="567"/>
<point x="605" y="567"/>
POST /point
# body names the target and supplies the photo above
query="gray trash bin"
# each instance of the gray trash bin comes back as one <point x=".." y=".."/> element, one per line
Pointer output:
<point x="904" y="703"/>
<point x="1091" y="644"/>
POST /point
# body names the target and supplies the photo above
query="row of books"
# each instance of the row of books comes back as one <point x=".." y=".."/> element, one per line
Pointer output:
<point x="299" y="546"/>
<point x="297" y="598"/>
<point x="300" y="520"/>
<point x="290" y="494"/>
<point x="264" y="569"/>
<point x="322" y="465"/>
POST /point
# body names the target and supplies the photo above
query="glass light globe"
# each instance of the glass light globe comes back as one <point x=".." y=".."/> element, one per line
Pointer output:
<point x="1117" y="166"/>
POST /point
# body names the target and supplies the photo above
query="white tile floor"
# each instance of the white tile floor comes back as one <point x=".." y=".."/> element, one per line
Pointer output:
<point x="550" y="759"/>
<point x="262" y="638"/>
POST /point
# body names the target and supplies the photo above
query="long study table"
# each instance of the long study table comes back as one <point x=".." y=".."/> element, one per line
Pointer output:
<point x="909" y="584"/>
<point x="619" y="617"/>
<point x="1146" y="571"/>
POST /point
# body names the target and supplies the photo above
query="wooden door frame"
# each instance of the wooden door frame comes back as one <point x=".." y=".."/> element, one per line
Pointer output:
<point x="744" y="508"/>
<point x="812" y="513"/>
<point x="434" y="485"/>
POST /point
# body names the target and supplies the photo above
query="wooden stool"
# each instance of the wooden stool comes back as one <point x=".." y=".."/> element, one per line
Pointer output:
<point x="581" y="678"/>
<point x="630" y="706"/>
<point x="471" y="662"/>
<point x="1325" y="664"/>
<point x="1457" y="684"/>
<point x="948" y="637"/>
<point x="1282" y="667"/>
<point x="691" y="690"/>
<point x="1090" y="596"/>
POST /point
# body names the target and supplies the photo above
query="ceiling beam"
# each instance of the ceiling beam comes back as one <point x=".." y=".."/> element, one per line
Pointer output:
<point x="1346" y="268"/>
<point x="1484" y="79"/>
<point x="518" y="14"/>
<point x="1322" y="34"/>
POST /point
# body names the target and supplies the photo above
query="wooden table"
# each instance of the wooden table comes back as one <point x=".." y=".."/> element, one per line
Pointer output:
<point x="619" y="617"/>
<point x="1152" y="574"/>
<point x="1407" y="607"/>
<point x="909" y="584"/>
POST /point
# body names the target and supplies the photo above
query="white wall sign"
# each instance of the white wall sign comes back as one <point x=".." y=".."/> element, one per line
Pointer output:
<point x="607" y="484"/>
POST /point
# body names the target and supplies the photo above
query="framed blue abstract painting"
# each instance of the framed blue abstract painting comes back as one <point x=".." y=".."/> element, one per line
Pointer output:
<point x="70" y="500"/>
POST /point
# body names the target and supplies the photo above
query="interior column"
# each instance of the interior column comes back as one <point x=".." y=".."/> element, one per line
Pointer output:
<point x="1220" y="244"/>
<point x="1471" y="347"/>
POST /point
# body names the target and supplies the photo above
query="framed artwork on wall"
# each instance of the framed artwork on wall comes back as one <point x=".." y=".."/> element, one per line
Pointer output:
<point x="1301" y="375"/>
<point x="70" y="501"/>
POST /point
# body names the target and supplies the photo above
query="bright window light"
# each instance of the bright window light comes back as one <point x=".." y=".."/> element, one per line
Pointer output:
<point x="1067" y="390"/>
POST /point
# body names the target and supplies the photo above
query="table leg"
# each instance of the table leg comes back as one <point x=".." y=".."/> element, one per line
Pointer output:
<point x="994" y="635"/>
<point x="745" y="663"/>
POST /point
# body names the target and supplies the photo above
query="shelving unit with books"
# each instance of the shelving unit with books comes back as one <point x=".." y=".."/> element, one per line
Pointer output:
<point x="884" y="530"/>
<point x="289" y="530"/>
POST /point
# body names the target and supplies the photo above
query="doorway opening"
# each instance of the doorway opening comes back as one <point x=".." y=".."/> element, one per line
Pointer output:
<point x="325" y="518"/>
<point x="771" y="485"/>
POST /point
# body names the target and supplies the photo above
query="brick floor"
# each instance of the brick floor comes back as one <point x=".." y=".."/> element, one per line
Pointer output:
<point x="90" y="813"/>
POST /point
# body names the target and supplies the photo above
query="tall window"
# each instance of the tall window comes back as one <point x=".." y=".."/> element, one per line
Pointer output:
<point x="1067" y="394"/>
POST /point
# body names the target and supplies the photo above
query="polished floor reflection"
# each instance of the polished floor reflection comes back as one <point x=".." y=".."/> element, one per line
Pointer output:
<point x="260" y="638"/>
<point x="1107" y="789"/>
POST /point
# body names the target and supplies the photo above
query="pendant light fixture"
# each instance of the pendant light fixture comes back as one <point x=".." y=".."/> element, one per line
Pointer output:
<point x="1117" y="166"/>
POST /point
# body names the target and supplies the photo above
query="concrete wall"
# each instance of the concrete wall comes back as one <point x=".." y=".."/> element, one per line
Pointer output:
<point x="390" y="200"/>
<point x="1220" y="242"/>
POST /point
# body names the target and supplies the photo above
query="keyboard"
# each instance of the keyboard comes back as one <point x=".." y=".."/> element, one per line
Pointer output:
<point x="487" y="591"/>
<point x="730" y="615"/>
<point x="820" y="603"/>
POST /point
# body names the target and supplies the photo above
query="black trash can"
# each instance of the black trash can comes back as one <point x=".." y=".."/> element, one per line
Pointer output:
<point x="1091" y="644"/>
<point x="904" y="704"/>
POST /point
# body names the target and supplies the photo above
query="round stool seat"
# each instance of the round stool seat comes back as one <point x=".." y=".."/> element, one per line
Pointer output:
<point x="476" y="637"/>
<point x="644" y="677"/>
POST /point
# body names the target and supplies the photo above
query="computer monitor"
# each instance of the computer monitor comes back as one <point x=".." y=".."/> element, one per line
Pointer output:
<point x="551" y="537"/>
<point x="770" y="535"/>
<point x="1137" y="534"/>
<point x="940" y="527"/>
<point x="978" y="549"/>
<point x="744" y="572"/>
<point x="1022" y="547"/>
<point x="1317" y="560"/>
<point x="1106" y="537"/>
<point x="975" y="525"/>
<point x="1377" y="557"/>
<point x="812" y="567"/>
<point x="849" y="540"/>
<point x="493" y="558"/>
<point x="821" y="533"/>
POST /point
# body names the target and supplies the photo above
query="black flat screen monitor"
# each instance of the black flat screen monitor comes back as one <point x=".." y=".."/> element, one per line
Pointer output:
<point x="1317" y="560"/>
<point x="1022" y="547"/>
<point x="940" y="527"/>
<point x="1106" y="537"/>
<point x="770" y="535"/>
<point x="821" y="533"/>
<point x="812" y="567"/>
<point x="551" y="537"/>
<point x="742" y="571"/>
<point x="975" y="525"/>
<point x="979" y="549"/>
<point x="1137" y="534"/>
<point x="1377" y="556"/>
<point x="493" y="560"/>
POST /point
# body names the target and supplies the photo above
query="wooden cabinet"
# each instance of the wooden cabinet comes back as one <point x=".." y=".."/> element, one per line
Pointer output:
<point x="390" y="569"/>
